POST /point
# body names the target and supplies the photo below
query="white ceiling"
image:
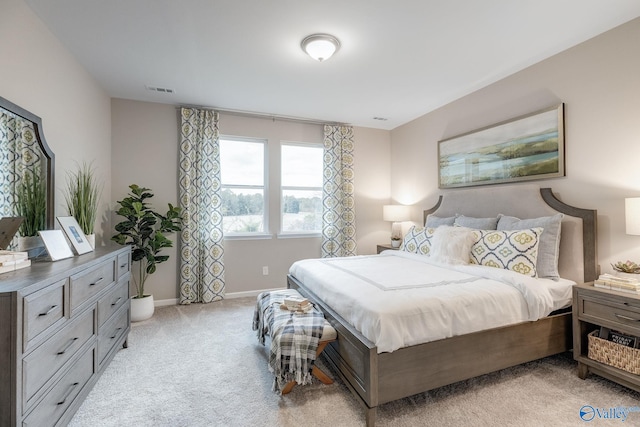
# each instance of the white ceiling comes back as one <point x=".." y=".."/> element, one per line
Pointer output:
<point x="399" y="59"/>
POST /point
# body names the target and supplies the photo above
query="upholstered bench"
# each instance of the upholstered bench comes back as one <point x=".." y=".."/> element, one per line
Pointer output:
<point x="292" y="334"/>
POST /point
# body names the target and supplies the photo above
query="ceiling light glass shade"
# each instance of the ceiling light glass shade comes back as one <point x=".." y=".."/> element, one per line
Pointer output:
<point x="320" y="46"/>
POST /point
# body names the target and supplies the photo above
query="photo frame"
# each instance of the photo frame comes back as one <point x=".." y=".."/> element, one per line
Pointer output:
<point x="75" y="235"/>
<point x="56" y="244"/>
<point x="524" y="148"/>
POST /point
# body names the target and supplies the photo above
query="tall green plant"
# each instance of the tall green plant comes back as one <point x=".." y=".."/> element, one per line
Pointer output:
<point x="32" y="203"/>
<point x="81" y="197"/>
<point x="144" y="230"/>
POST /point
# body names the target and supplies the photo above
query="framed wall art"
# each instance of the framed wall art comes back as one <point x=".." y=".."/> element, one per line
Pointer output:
<point x="524" y="148"/>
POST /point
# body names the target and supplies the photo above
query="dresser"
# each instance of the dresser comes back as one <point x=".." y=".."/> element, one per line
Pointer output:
<point x="61" y="323"/>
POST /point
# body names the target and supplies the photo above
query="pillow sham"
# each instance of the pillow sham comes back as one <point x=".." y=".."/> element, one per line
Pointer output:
<point x="477" y="223"/>
<point x="515" y="250"/>
<point x="436" y="221"/>
<point x="417" y="240"/>
<point x="451" y="245"/>
<point x="549" y="249"/>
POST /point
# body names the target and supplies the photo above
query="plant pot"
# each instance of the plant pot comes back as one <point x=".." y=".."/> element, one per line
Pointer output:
<point x="142" y="308"/>
<point x="91" y="238"/>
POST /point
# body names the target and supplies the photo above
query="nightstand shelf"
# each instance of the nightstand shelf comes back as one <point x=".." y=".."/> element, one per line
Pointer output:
<point x="595" y="307"/>
<point x="386" y="247"/>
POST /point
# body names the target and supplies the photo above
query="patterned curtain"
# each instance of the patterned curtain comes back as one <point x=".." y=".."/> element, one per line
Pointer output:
<point x="201" y="262"/>
<point x="338" y="219"/>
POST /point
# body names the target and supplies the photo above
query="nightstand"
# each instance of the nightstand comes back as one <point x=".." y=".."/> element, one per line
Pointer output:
<point x="386" y="247"/>
<point x="595" y="307"/>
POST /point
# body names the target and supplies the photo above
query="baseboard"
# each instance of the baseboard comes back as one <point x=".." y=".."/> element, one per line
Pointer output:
<point x="231" y="295"/>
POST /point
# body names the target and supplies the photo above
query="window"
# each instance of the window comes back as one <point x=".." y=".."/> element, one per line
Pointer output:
<point x="242" y="171"/>
<point x="301" y="167"/>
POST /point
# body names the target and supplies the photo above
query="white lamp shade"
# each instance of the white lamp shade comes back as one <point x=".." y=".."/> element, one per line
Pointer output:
<point x="320" y="46"/>
<point x="632" y="215"/>
<point x="396" y="213"/>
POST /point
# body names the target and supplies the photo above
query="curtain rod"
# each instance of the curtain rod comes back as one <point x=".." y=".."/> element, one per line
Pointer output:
<point x="273" y="117"/>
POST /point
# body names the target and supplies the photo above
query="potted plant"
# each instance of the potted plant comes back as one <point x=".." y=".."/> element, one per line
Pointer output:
<point x="144" y="230"/>
<point x="82" y="197"/>
<point x="31" y="204"/>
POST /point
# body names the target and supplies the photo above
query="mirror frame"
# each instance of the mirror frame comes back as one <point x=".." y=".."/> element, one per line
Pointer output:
<point x="48" y="154"/>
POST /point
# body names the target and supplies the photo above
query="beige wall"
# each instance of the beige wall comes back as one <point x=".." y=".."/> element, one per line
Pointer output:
<point x="41" y="76"/>
<point x="145" y="152"/>
<point x="599" y="82"/>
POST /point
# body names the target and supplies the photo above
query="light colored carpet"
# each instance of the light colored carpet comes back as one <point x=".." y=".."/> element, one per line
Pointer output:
<point x="202" y="365"/>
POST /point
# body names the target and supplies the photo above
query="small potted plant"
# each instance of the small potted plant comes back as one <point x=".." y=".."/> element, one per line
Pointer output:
<point x="81" y="197"/>
<point x="144" y="230"/>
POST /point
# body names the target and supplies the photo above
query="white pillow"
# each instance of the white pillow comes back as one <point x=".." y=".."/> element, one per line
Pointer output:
<point x="452" y="245"/>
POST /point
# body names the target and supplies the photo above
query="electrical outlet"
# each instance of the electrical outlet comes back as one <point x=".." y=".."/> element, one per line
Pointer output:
<point x="265" y="271"/>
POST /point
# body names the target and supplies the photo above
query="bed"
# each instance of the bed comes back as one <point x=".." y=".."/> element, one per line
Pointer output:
<point x="376" y="377"/>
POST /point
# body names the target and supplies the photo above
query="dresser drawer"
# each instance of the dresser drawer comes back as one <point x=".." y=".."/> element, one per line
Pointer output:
<point x="39" y="366"/>
<point x="112" y="331"/>
<point x="111" y="302"/>
<point x="89" y="283"/>
<point x="56" y="402"/>
<point x="616" y="314"/>
<point x="123" y="264"/>
<point x="42" y="310"/>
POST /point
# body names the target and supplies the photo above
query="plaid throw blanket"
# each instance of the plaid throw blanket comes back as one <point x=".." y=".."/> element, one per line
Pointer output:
<point x="294" y="337"/>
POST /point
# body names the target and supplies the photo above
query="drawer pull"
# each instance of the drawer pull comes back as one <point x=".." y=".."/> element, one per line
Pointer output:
<point x="620" y="316"/>
<point x="64" y="350"/>
<point x="631" y="305"/>
<point x="123" y="265"/>
<point x="116" y="301"/>
<point x="96" y="282"/>
<point x="66" y="396"/>
<point x="115" y="333"/>
<point x="53" y="307"/>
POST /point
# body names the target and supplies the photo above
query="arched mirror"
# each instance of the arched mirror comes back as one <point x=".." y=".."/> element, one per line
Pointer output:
<point x="26" y="165"/>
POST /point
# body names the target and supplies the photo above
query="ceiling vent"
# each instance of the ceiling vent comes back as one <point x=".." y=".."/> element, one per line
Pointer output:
<point x="159" y="89"/>
<point x="382" y="119"/>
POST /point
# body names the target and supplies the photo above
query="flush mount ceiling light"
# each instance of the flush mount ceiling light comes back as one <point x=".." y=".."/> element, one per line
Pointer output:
<point x="320" y="46"/>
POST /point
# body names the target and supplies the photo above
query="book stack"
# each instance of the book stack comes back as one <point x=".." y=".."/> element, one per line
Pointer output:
<point x="11" y="261"/>
<point x="624" y="284"/>
<point x="298" y="304"/>
<point x="619" y="338"/>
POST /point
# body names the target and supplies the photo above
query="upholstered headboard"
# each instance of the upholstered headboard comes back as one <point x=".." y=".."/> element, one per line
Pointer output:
<point x="578" y="245"/>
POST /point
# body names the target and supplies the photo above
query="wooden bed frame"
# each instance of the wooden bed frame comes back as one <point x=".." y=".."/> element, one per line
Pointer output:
<point x="376" y="379"/>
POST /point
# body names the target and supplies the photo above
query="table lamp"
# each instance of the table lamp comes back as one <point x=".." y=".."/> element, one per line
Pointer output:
<point x="396" y="214"/>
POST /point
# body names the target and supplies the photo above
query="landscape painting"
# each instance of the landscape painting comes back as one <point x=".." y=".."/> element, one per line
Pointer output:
<point x="524" y="148"/>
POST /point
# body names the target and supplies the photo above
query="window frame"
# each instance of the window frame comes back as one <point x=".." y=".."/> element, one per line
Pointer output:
<point x="296" y="234"/>
<point x="264" y="234"/>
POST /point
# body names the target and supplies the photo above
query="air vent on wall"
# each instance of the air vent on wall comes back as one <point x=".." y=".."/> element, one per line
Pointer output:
<point x="159" y="89"/>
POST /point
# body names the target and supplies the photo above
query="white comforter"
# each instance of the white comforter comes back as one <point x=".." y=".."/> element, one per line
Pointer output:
<point x="398" y="299"/>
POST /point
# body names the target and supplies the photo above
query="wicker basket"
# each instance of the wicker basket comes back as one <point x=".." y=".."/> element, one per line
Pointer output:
<point x="613" y="354"/>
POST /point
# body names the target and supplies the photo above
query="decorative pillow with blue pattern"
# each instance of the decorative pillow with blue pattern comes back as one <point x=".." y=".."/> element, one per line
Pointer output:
<point x="418" y="240"/>
<point x="515" y="250"/>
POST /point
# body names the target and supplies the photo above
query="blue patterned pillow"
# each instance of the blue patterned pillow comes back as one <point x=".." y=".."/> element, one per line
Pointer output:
<point x="418" y="240"/>
<point x="515" y="250"/>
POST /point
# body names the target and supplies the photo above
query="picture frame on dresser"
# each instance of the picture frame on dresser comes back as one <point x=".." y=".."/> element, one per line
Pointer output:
<point x="56" y="245"/>
<point x="74" y="234"/>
